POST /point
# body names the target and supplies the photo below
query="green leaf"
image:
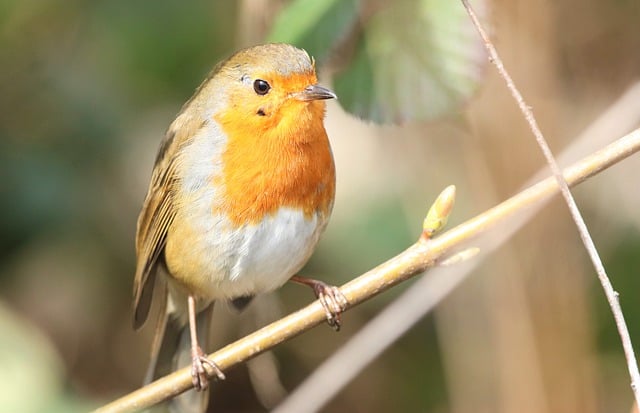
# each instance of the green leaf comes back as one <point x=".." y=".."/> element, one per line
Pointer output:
<point x="314" y="25"/>
<point x="415" y="60"/>
<point x="29" y="364"/>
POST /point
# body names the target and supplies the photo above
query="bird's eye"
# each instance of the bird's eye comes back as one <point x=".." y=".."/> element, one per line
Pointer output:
<point x="261" y="87"/>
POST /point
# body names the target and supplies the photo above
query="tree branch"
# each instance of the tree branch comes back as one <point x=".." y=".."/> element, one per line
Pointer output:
<point x="413" y="261"/>
<point x="612" y="295"/>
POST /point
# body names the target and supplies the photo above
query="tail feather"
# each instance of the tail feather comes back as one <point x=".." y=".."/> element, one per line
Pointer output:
<point x="172" y="350"/>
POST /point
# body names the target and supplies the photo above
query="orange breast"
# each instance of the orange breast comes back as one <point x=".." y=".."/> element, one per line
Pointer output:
<point x="284" y="161"/>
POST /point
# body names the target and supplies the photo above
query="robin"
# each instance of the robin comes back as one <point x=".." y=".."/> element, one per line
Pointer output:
<point x="241" y="190"/>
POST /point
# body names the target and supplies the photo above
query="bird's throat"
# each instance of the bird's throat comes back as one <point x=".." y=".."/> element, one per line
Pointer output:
<point x="291" y="167"/>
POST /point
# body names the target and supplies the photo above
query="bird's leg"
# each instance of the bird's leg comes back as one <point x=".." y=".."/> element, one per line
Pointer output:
<point x="333" y="301"/>
<point x="198" y="358"/>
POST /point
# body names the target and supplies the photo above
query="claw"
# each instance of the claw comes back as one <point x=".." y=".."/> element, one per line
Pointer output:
<point x="331" y="298"/>
<point x="333" y="301"/>
<point x="199" y="376"/>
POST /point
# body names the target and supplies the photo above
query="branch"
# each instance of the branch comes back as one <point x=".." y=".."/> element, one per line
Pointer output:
<point x="317" y="389"/>
<point x="413" y="261"/>
<point x="612" y="296"/>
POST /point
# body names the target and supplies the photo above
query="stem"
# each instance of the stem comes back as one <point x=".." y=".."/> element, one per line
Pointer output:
<point x="413" y="261"/>
<point x="611" y="294"/>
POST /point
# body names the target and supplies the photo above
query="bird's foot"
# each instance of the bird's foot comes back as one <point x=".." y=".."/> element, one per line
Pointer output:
<point x="199" y="376"/>
<point x="331" y="298"/>
<point x="333" y="301"/>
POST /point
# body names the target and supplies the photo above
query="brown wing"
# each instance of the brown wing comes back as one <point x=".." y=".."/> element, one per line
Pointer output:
<point x="158" y="208"/>
<point x="157" y="214"/>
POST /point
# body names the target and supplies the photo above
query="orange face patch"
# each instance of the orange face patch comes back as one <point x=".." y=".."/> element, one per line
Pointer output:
<point x="279" y="160"/>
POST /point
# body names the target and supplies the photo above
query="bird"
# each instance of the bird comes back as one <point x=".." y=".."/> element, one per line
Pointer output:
<point x="242" y="188"/>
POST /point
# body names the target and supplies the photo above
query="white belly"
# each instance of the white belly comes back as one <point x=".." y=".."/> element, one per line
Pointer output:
<point x="266" y="255"/>
<point x="228" y="263"/>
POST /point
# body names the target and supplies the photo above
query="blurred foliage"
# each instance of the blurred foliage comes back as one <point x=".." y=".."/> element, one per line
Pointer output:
<point x="622" y="259"/>
<point x="30" y="365"/>
<point x="67" y="96"/>
<point x="356" y="248"/>
<point x="412" y="60"/>
<point x="316" y="26"/>
<point x="87" y="89"/>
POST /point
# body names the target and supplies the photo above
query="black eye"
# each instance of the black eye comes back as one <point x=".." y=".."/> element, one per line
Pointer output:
<point x="261" y="87"/>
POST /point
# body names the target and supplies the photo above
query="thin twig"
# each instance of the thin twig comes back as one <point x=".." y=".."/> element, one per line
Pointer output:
<point x="611" y="294"/>
<point x="413" y="261"/>
<point x="406" y="310"/>
<point x="345" y="364"/>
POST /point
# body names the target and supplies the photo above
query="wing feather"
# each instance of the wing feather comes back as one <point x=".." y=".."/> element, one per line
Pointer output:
<point x="158" y="212"/>
<point x="158" y="209"/>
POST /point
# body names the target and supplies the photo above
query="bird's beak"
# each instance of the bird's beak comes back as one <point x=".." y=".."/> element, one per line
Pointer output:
<point x="315" y="92"/>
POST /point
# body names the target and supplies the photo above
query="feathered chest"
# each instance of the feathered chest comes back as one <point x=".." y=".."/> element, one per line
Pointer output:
<point x="265" y="171"/>
<point x="255" y="211"/>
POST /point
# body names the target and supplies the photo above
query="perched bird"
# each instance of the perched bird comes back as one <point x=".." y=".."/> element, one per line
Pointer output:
<point x="241" y="190"/>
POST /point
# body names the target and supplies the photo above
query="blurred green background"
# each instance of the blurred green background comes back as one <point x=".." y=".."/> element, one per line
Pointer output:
<point x="87" y="89"/>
